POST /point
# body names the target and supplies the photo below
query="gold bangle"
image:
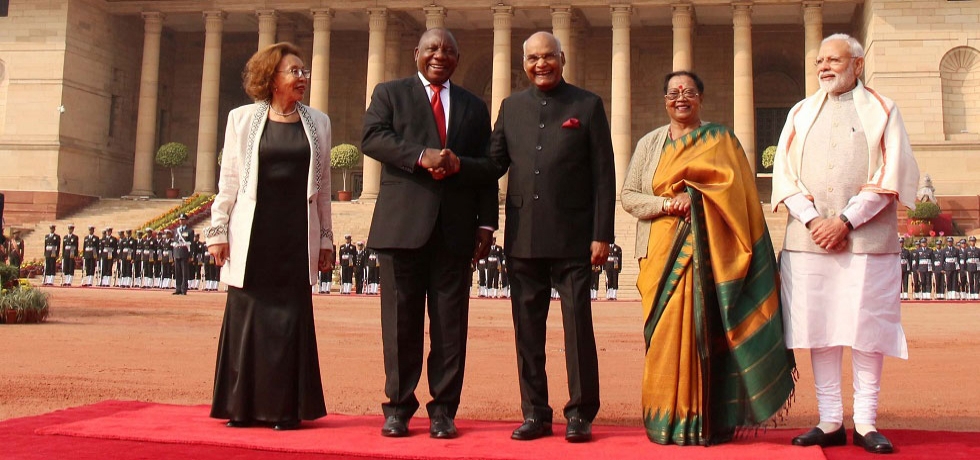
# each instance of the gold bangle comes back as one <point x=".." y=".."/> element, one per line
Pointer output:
<point x="666" y="206"/>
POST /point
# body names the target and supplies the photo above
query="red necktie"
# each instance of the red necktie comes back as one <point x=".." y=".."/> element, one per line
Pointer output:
<point x="439" y="113"/>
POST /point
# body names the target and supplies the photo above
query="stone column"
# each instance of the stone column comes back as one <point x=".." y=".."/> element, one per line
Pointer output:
<point x="207" y="126"/>
<point x="500" y="83"/>
<point x="267" y="27"/>
<point x="682" y="19"/>
<point x="393" y="50"/>
<point x="377" y="30"/>
<point x="744" y="103"/>
<point x="620" y="122"/>
<point x="435" y="16"/>
<point x="561" y="27"/>
<point x="813" y="27"/>
<point x="320" y="62"/>
<point x="146" y="115"/>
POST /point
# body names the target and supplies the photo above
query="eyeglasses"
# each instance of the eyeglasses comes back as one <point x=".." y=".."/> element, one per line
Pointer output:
<point x="298" y="72"/>
<point x="675" y="95"/>
<point x="833" y="61"/>
<point x="534" y="58"/>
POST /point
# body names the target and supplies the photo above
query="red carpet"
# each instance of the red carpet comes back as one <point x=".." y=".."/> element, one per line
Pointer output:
<point x="130" y="430"/>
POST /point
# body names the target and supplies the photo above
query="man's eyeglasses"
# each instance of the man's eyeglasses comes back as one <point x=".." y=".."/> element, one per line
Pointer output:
<point x="534" y="58"/>
<point x="833" y="61"/>
<point x="298" y="72"/>
<point x="675" y="95"/>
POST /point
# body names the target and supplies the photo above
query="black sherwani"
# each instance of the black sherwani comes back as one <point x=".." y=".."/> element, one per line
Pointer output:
<point x="424" y="231"/>
<point x="560" y="197"/>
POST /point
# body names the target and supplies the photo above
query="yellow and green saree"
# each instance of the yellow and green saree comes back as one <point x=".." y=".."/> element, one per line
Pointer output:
<point x="715" y="355"/>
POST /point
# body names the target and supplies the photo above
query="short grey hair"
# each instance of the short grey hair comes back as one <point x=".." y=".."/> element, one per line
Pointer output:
<point x="856" y="49"/>
<point x="557" y="43"/>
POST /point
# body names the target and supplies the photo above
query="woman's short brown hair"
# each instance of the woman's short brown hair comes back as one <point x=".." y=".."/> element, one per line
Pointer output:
<point x="261" y="68"/>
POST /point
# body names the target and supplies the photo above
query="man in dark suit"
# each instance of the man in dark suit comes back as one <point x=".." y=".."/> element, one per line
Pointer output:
<point x="427" y="226"/>
<point x="560" y="208"/>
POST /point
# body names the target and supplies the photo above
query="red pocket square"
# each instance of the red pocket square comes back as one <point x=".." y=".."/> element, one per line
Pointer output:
<point x="571" y="123"/>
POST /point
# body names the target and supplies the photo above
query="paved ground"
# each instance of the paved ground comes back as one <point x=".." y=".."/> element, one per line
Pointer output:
<point x="151" y="346"/>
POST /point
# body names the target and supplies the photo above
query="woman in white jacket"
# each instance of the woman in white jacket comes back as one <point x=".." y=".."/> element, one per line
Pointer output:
<point x="270" y="233"/>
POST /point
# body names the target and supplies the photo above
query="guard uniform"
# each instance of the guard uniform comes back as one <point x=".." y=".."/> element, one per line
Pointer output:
<point x="109" y="245"/>
<point x="372" y="272"/>
<point x="69" y="251"/>
<point x="922" y="266"/>
<point x="347" y="255"/>
<point x="594" y="289"/>
<point x="951" y="259"/>
<point x="481" y="268"/>
<point x="905" y="259"/>
<point x="210" y="272"/>
<point x="198" y="250"/>
<point x="148" y="257"/>
<point x="962" y="282"/>
<point x="127" y="253"/>
<point x="937" y="270"/>
<point x="138" y="243"/>
<point x="167" y="260"/>
<point x="90" y="253"/>
<point x="52" y="247"/>
<point x="613" y="267"/>
<point x="183" y="237"/>
<point x="972" y="267"/>
<point x="504" y="278"/>
<point x="360" y="259"/>
<point x="493" y="275"/>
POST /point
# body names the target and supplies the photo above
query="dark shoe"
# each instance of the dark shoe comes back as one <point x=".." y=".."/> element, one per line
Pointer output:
<point x="286" y="425"/>
<point x="442" y="427"/>
<point x="816" y="437"/>
<point x="531" y="429"/>
<point x="874" y="442"/>
<point x="578" y="430"/>
<point x="394" y="427"/>
<point x="238" y="424"/>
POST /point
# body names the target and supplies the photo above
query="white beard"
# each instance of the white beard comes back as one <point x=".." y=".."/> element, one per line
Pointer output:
<point x="843" y="81"/>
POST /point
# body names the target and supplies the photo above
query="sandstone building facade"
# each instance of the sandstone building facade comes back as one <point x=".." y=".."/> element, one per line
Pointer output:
<point x="90" y="88"/>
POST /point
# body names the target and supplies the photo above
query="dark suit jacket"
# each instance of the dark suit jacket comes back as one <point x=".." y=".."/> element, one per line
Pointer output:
<point x="398" y="126"/>
<point x="561" y="189"/>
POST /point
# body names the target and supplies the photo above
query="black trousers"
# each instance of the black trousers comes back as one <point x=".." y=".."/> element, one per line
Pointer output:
<point x="905" y="281"/>
<point x="49" y="266"/>
<point x="974" y="285"/>
<point x="89" y="263"/>
<point x="531" y="281"/>
<point x="612" y="279"/>
<point x="923" y="282"/>
<point x="940" y="282"/>
<point x="68" y="266"/>
<point x="408" y="278"/>
<point x="181" y="270"/>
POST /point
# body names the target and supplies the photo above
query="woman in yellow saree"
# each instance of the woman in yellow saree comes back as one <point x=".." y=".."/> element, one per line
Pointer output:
<point x="715" y="354"/>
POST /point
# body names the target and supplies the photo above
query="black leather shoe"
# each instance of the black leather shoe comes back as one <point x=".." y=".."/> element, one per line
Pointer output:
<point x="578" y="430"/>
<point x="238" y="424"/>
<point x="394" y="427"/>
<point x="286" y="425"/>
<point x="816" y="437"/>
<point x="531" y="429"/>
<point x="442" y="427"/>
<point x="874" y="442"/>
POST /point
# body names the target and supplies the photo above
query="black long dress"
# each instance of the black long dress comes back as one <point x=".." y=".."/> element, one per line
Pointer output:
<point x="267" y="369"/>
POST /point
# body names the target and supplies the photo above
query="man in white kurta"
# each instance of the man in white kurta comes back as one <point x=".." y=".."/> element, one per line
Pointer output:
<point x="843" y="165"/>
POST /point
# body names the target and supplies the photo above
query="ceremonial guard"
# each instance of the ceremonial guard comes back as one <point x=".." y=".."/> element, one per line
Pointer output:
<point x="972" y="267"/>
<point x="481" y="269"/>
<point x="905" y="259"/>
<point x="15" y="250"/>
<point x="372" y="272"/>
<point x="184" y="236"/>
<point x="347" y="255"/>
<point x="493" y="275"/>
<point x="52" y="247"/>
<point x="167" y="259"/>
<point x="198" y="251"/>
<point x="127" y="258"/>
<point x="108" y="246"/>
<point x="922" y="266"/>
<point x="504" y="276"/>
<point x="326" y="276"/>
<point x="148" y="257"/>
<point x="950" y="258"/>
<point x="614" y="265"/>
<point x="962" y="288"/>
<point x="159" y="281"/>
<point x="210" y="272"/>
<point x="137" y="259"/>
<point x="90" y="252"/>
<point x="359" y="260"/>
<point x="69" y="251"/>
<point x="937" y="269"/>
<point x="594" y="290"/>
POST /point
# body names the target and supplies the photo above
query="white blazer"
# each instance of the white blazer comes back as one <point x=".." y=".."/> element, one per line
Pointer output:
<point x="234" y="206"/>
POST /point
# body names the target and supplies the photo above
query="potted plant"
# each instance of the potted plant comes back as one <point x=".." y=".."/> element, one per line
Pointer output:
<point x="344" y="157"/>
<point x="920" y="218"/>
<point x="172" y="155"/>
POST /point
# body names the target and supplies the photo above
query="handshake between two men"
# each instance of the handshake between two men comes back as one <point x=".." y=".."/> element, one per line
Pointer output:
<point x="440" y="163"/>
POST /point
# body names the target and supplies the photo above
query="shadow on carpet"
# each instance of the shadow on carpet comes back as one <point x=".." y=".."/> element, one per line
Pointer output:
<point x="118" y="426"/>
